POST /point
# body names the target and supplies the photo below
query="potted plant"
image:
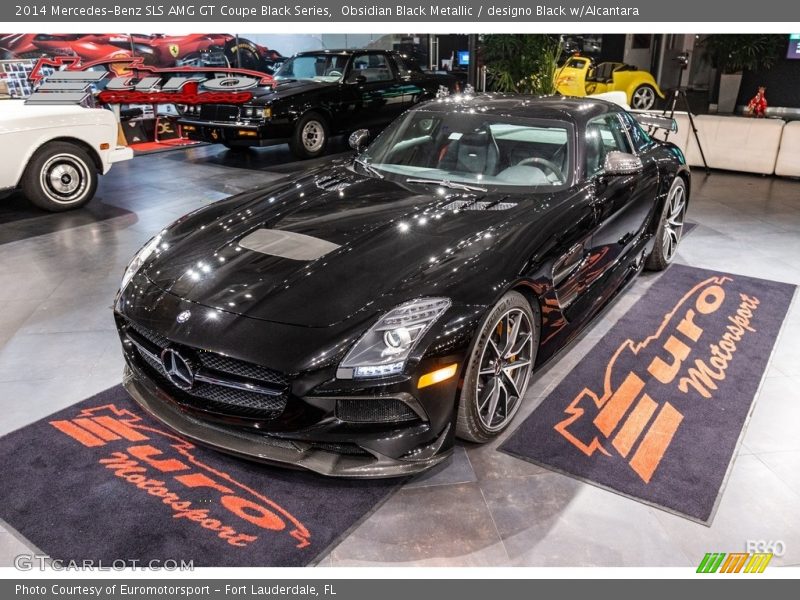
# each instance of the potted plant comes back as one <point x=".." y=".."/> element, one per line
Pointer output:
<point x="523" y="64"/>
<point x="731" y="54"/>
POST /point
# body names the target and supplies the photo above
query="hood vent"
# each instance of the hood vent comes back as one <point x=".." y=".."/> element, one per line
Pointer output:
<point x="478" y="205"/>
<point x="287" y="244"/>
<point x="332" y="183"/>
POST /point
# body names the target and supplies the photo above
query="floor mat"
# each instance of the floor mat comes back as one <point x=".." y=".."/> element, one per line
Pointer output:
<point x="656" y="409"/>
<point x="100" y="480"/>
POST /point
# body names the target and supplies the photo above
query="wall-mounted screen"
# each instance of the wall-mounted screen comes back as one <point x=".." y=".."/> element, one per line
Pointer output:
<point x="794" y="46"/>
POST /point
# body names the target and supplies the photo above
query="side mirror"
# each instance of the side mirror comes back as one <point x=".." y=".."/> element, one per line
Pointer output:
<point x="358" y="139"/>
<point x="357" y="79"/>
<point x="621" y="163"/>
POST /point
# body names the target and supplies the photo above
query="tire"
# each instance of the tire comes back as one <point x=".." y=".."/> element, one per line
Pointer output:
<point x="245" y="54"/>
<point x="60" y="176"/>
<point x="670" y="227"/>
<point x="301" y="143"/>
<point x="485" y="383"/>
<point x="643" y="97"/>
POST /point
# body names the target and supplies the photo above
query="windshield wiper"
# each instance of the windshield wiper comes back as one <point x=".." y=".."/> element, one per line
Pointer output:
<point x="368" y="167"/>
<point x="447" y="183"/>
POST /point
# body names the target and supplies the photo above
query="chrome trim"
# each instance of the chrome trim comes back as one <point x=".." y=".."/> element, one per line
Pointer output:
<point x="206" y="376"/>
<point x="237" y="124"/>
<point x="209" y="376"/>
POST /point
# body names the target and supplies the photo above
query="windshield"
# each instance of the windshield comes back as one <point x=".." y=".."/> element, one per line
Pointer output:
<point x="487" y="151"/>
<point x="317" y="67"/>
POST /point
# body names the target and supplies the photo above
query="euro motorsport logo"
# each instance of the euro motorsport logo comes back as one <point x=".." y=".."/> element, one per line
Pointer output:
<point x="734" y="562"/>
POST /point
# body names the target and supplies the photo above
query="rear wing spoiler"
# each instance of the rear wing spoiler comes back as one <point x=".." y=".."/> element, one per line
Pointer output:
<point x="656" y="121"/>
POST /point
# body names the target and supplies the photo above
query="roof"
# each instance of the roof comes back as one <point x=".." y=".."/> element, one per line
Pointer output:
<point x="560" y="108"/>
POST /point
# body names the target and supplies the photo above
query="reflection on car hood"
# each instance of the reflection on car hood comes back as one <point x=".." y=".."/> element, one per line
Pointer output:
<point x="289" y="87"/>
<point x="316" y="250"/>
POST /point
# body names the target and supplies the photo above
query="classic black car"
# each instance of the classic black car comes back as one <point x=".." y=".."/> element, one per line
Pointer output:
<point x="354" y="320"/>
<point x="317" y="95"/>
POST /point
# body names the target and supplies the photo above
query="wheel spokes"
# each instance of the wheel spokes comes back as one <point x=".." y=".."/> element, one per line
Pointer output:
<point x="520" y="344"/>
<point x="511" y="337"/>
<point x="492" y="399"/>
<point x="504" y="369"/>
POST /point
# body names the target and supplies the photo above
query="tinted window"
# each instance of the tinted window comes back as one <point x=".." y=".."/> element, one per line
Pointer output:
<point x="320" y="67"/>
<point x="374" y="67"/>
<point x="406" y="66"/>
<point x="492" y="151"/>
<point x="639" y="136"/>
<point x="603" y="135"/>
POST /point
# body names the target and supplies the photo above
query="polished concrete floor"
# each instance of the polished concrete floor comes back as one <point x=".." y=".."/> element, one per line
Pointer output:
<point x="59" y="273"/>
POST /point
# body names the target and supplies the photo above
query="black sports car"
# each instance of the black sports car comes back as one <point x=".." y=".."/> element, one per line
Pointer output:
<point x="316" y="95"/>
<point x="353" y="321"/>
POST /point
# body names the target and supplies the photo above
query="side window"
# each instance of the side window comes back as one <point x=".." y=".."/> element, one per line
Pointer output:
<point x="603" y="135"/>
<point x="641" y="141"/>
<point x="374" y="67"/>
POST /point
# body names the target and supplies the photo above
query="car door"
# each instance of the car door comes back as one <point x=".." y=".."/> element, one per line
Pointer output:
<point x="622" y="203"/>
<point x="415" y="84"/>
<point x="373" y="84"/>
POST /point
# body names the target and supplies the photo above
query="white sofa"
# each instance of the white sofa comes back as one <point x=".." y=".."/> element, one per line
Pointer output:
<point x="736" y="143"/>
<point x="788" y="163"/>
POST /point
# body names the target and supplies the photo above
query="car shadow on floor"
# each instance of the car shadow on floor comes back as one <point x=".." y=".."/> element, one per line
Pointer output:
<point x="20" y="220"/>
<point x="277" y="159"/>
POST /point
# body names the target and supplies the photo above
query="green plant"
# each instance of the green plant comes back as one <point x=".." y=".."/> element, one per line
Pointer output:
<point x="732" y="53"/>
<point x="519" y="63"/>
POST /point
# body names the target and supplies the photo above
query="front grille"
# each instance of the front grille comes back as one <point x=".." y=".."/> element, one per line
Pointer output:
<point x="219" y="112"/>
<point x="215" y="397"/>
<point x="374" y="410"/>
<point x="225" y="364"/>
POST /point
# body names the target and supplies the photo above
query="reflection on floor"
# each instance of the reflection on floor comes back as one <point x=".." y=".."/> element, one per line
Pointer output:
<point x="59" y="273"/>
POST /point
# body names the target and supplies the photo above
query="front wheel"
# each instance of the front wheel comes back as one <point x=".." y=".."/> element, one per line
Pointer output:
<point x="60" y="176"/>
<point x="670" y="227"/>
<point x="498" y="369"/>
<point x="643" y="97"/>
<point x="310" y="137"/>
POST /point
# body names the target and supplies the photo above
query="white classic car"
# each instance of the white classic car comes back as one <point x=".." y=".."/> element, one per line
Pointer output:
<point x="55" y="152"/>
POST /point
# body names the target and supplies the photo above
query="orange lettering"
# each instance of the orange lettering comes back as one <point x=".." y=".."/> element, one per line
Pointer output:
<point x="634" y="425"/>
<point x="253" y="513"/>
<point x="710" y="300"/>
<point x="147" y="452"/>
<point x="655" y="442"/>
<point x="666" y="372"/>
<point x="688" y="328"/>
<point x="199" y="480"/>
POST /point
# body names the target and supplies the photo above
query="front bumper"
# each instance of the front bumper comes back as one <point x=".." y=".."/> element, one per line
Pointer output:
<point x="234" y="134"/>
<point x="274" y="450"/>
<point x="119" y="154"/>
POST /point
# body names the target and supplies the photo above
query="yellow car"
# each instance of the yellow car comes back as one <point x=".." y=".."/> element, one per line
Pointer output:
<point x="581" y="77"/>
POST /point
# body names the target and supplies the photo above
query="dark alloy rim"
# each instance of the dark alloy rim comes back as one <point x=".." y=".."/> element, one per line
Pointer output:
<point x="673" y="224"/>
<point x="505" y="367"/>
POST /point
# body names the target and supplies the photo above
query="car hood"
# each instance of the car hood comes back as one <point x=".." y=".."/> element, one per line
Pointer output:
<point x="316" y="250"/>
<point x="290" y="87"/>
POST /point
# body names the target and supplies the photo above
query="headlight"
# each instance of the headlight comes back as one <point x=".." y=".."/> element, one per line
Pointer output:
<point x="256" y="112"/>
<point x="383" y="349"/>
<point x="140" y="258"/>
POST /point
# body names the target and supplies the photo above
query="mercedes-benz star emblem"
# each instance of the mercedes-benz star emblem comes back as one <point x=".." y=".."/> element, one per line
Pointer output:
<point x="177" y="369"/>
<point x="183" y="316"/>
